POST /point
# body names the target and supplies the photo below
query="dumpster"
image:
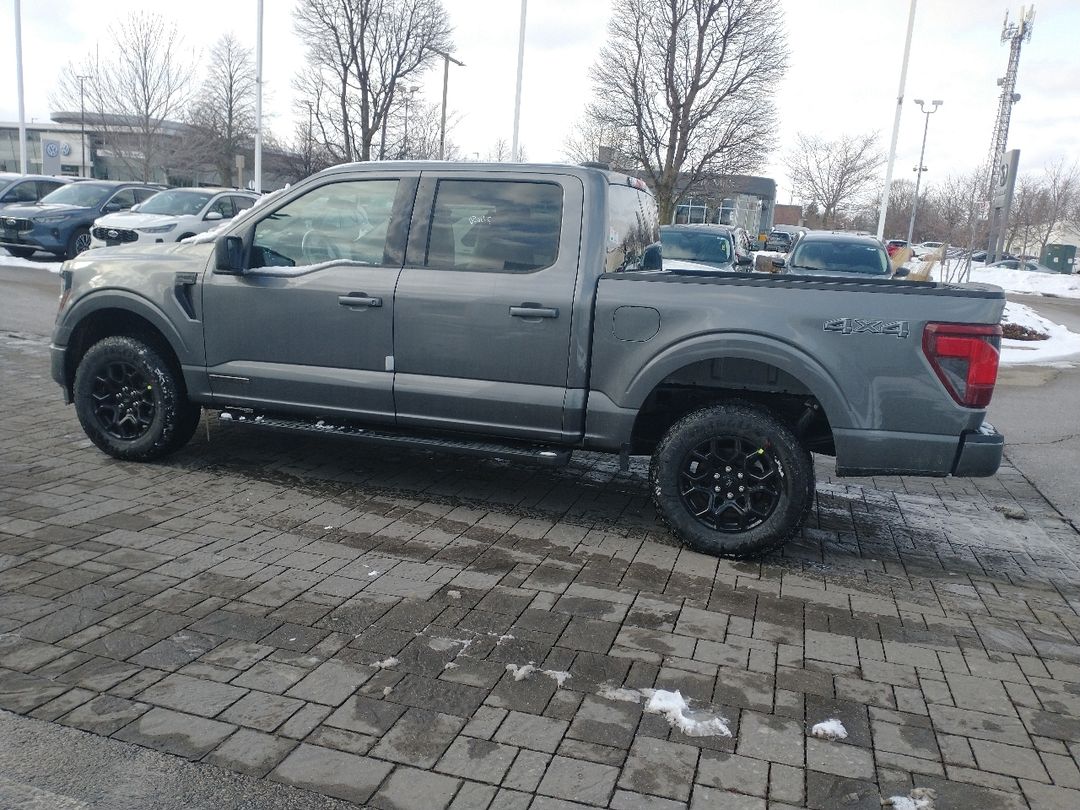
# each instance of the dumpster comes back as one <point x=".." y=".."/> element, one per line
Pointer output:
<point x="1061" y="258"/>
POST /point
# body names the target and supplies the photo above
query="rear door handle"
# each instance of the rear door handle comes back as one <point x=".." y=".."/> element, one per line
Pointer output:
<point x="359" y="301"/>
<point x="534" y="311"/>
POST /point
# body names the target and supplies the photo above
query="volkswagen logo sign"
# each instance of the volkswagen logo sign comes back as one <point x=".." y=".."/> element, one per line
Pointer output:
<point x="111" y="233"/>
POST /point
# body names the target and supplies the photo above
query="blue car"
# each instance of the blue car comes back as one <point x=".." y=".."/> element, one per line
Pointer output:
<point x="60" y="222"/>
<point x="20" y="189"/>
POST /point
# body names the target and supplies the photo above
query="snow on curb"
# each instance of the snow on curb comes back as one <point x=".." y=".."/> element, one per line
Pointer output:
<point x="7" y="260"/>
<point x="831" y="729"/>
<point x="1061" y="345"/>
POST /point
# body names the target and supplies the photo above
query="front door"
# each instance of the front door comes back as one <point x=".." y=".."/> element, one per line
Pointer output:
<point x="309" y="326"/>
<point x="485" y="304"/>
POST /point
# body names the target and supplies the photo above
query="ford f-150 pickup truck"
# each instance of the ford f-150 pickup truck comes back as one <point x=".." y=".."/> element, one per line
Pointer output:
<point x="523" y="311"/>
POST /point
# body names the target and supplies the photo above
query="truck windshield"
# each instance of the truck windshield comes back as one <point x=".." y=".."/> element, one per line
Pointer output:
<point x="633" y="225"/>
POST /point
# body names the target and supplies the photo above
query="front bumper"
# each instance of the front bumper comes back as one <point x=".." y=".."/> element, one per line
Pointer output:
<point x="58" y="369"/>
<point x="37" y="239"/>
<point x="979" y="454"/>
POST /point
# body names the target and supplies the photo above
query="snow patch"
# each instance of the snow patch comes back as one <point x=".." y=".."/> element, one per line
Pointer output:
<point x="558" y="676"/>
<point x="673" y="707"/>
<point x="454" y="594"/>
<point x="1061" y="344"/>
<point x="520" y="673"/>
<point x="386" y="663"/>
<point x="918" y="799"/>
<point x="619" y="693"/>
<point x="831" y="729"/>
<point x="450" y="665"/>
<point x="439" y="644"/>
<point x="387" y="690"/>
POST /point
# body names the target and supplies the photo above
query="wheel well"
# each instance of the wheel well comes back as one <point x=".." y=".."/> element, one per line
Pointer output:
<point x="105" y="323"/>
<point x="709" y="382"/>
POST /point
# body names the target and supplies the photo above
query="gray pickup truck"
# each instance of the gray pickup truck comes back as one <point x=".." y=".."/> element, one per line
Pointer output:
<point x="522" y="311"/>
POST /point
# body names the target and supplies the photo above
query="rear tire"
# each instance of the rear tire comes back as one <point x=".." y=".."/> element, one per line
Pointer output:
<point x="131" y="402"/>
<point x="732" y="480"/>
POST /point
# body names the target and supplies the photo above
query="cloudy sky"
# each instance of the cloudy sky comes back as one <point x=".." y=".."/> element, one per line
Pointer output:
<point x="842" y="78"/>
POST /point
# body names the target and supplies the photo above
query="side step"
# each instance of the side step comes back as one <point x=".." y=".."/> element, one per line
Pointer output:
<point x="540" y="454"/>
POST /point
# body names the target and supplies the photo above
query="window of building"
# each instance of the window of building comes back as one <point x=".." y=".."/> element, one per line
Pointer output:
<point x="495" y="225"/>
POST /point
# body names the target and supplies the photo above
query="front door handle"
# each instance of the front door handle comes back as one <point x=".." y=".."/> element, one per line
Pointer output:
<point x="359" y="301"/>
<point x="534" y="311"/>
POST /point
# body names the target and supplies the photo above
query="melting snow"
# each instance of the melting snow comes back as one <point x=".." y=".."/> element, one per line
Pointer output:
<point x="678" y="713"/>
<point x="558" y="676"/>
<point x="454" y="594"/>
<point x="619" y="693"/>
<point x="386" y="663"/>
<point x="450" y="665"/>
<point x="831" y="729"/>
<point x="1060" y="345"/>
<point x="918" y="799"/>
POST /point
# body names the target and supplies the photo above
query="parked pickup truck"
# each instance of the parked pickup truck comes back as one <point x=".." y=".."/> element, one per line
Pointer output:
<point x="521" y="311"/>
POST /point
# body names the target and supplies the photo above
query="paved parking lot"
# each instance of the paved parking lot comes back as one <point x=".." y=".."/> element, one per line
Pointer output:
<point x="419" y="631"/>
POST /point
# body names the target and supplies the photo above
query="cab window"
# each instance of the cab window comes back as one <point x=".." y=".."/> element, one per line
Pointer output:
<point x="502" y="226"/>
<point x="346" y="221"/>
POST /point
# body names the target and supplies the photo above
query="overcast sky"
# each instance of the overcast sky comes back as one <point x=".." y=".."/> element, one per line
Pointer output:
<point x="843" y="70"/>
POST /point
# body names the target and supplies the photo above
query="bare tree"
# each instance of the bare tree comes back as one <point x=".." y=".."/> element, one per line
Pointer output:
<point x="135" y="92"/>
<point x="592" y="140"/>
<point x="500" y="152"/>
<point x="359" y="54"/>
<point x="833" y="174"/>
<point x="224" y="114"/>
<point x="1060" y="198"/>
<point x="690" y="81"/>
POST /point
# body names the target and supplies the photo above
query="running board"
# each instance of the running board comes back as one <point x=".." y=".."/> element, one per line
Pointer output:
<point x="540" y="454"/>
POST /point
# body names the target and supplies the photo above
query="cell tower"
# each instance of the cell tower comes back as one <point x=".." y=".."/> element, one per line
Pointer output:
<point x="1016" y="34"/>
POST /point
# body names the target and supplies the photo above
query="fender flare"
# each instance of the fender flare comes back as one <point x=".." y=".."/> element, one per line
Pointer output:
<point x="129" y="302"/>
<point x="743" y="346"/>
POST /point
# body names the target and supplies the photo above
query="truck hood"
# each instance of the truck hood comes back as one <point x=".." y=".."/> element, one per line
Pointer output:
<point x="131" y="221"/>
<point x="33" y="210"/>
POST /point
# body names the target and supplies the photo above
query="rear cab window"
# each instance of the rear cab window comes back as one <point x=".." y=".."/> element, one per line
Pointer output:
<point x="633" y="224"/>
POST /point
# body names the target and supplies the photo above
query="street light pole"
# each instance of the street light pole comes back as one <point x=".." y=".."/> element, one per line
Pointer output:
<point x="310" y="136"/>
<point x="82" y="124"/>
<point x="921" y="168"/>
<point x="408" y="97"/>
<point x="258" y="98"/>
<point x="896" y="125"/>
<point x="517" y="96"/>
<point x="19" y="81"/>
<point x="447" y="59"/>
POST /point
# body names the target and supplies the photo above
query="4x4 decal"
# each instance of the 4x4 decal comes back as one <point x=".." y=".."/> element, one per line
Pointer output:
<point x="855" y="326"/>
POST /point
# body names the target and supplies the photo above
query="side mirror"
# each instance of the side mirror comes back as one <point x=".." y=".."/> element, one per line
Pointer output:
<point x="652" y="258"/>
<point x="112" y="208"/>
<point x="229" y="255"/>
<point x="211" y="215"/>
<point x="743" y="261"/>
<point x="901" y="272"/>
<point x="778" y="263"/>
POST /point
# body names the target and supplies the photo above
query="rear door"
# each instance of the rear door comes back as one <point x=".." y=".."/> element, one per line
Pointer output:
<point x="309" y="326"/>
<point x="485" y="301"/>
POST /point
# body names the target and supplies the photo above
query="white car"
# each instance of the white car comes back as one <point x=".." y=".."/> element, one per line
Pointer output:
<point x="170" y="216"/>
<point x="926" y="248"/>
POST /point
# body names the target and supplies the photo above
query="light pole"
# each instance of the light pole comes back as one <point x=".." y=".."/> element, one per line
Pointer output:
<point x="896" y="124"/>
<point x="19" y="82"/>
<point x="82" y="123"/>
<point x="310" y="136"/>
<point x="517" y="96"/>
<point x="921" y="168"/>
<point x="447" y="59"/>
<point x="258" y="97"/>
<point x="408" y="96"/>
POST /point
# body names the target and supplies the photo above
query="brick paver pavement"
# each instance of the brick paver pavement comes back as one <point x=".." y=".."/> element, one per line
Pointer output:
<point x="422" y="631"/>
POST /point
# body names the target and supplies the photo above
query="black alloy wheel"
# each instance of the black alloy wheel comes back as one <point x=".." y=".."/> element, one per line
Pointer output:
<point x="731" y="484"/>
<point x="123" y="400"/>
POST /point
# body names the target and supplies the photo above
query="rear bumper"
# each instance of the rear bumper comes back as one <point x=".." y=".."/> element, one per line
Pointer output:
<point x="980" y="453"/>
<point x="973" y="454"/>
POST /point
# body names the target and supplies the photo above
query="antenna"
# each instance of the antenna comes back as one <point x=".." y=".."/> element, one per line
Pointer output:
<point x="1016" y="34"/>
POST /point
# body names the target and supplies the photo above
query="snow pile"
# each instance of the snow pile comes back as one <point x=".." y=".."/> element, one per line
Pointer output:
<point x="1061" y="344"/>
<point x="678" y="713"/>
<point x="520" y="673"/>
<point x="559" y="676"/>
<point x="386" y="663"/>
<point x="831" y="729"/>
<point x="1063" y="285"/>
<point x="7" y="260"/>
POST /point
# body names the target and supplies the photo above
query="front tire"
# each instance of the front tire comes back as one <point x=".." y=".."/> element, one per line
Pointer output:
<point x="131" y="402"/>
<point x="732" y="480"/>
<point x="79" y="241"/>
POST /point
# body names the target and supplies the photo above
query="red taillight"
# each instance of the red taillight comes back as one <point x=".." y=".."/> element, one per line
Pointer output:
<point x="965" y="358"/>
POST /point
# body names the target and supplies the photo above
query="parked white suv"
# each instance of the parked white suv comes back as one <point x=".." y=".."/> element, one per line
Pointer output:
<point x="170" y="216"/>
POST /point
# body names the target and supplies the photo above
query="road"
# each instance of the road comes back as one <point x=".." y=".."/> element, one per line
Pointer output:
<point x="1035" y="406"/>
